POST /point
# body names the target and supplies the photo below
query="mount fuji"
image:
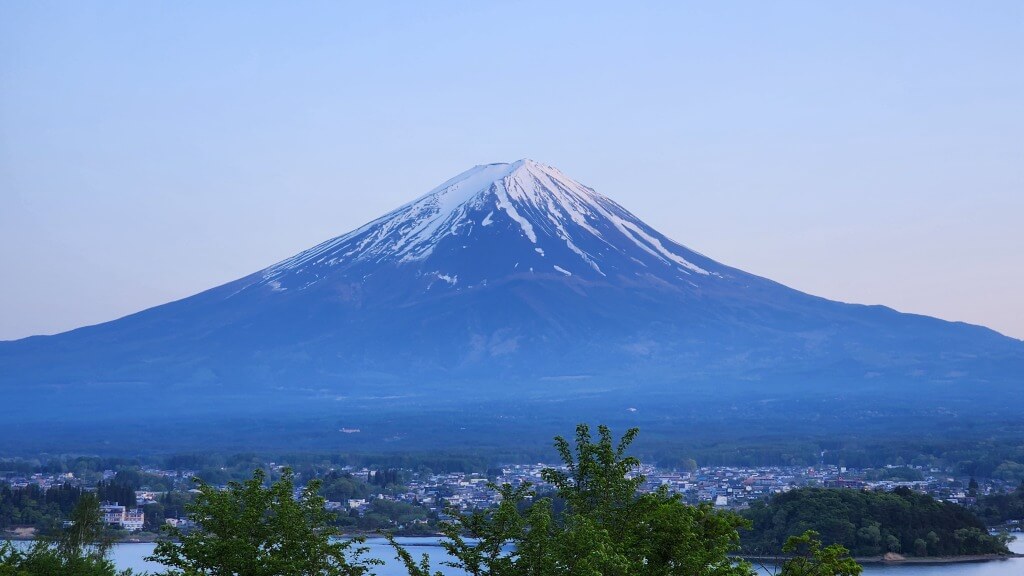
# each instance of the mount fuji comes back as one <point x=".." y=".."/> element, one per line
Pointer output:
<point x="509" y="293"/>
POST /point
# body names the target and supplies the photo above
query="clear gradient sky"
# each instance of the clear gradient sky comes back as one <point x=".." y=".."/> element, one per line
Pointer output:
<point x="868" y="152"/>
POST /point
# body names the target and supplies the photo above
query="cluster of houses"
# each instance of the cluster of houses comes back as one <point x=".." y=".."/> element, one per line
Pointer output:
<point x="724" y="486"/>
<point x="736" y="487"/>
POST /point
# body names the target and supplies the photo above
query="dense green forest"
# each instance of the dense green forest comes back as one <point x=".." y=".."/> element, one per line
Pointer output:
<point x="870" y="523"/>
<point x="989" y="452"/>
<point x="33" y="506"/>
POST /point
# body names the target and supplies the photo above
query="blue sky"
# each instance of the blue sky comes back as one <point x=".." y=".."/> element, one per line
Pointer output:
<point x="868" y="152"/>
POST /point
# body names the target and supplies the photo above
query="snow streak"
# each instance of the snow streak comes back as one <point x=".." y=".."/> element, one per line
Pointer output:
<point x="544" y="206"/>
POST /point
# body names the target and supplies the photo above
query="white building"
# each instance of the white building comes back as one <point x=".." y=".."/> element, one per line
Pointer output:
<point x="117" y="515"/>
<point x="133" y="520"/>
<point x="112" y="513"/>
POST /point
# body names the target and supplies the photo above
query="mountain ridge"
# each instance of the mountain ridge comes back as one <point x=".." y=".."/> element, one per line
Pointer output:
<point x="508" y="281"/>
<point x="558" y="212"/>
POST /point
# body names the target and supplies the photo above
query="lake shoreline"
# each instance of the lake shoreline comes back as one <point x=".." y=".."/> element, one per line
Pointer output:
<point x="150" y="538"/>
<point x="915" y="560"/>
<point x="756" y="560"/>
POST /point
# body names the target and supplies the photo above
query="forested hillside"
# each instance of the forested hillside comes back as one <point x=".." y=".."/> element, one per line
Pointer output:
<point x="870" y="523"/>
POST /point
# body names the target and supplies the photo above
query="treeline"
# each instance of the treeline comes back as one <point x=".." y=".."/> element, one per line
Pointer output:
<point x="385" y="478"/>
<point x="116" y="493"/>
<point x="870" y="523"/>
<point x="86" y="467"/>
<point x="1001" y="458"/>
<point x="35" y="507"/>
<point x="312" y="464"/>
<point x="998" y="454"/>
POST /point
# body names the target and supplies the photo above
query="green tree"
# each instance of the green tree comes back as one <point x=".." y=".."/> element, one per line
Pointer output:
<point x="812" y="560"/>
<point x="607" y="529"/>
<point x="44" y="559"/>
<point x="80" y="550"/>
<point x="250" y="529"/>
<point x="87" y="533"/>
<point x="933" y="542"/>
<point x="1009" y="470"/>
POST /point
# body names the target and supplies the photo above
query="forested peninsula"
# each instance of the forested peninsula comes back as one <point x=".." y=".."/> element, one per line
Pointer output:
<point x="871" y="524"/>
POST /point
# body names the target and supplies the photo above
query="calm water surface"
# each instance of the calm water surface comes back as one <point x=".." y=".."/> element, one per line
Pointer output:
<point x="131" y="556"/>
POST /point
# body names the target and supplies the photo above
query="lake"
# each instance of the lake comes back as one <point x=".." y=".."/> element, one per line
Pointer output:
<point x="131" y="556"/>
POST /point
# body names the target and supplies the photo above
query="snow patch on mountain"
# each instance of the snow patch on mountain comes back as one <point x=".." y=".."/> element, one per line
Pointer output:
<point x="505" y="204"/>
<point x="535" y="203"/>
<point x="451" y="280"/>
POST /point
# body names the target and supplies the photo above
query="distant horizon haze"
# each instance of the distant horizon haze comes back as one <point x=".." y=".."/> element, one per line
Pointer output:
<point x="869" y="153"/>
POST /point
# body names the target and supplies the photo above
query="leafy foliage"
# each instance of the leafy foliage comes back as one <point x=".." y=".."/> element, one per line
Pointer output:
<point x="608" y="528"/>
<point x="80" y="550"/>
<point x="256" y="530"/>
<point x="810" y="559"/>
<point x="342" y="486"/>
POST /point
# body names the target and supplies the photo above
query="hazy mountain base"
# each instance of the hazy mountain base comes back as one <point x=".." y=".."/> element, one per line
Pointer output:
<point x="852" y="430"/>
<point x="737" y="392"/>
<point x="508" y="303"/>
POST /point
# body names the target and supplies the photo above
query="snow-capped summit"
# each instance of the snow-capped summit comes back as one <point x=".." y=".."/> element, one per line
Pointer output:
<point x="497" y="221"/>
<point x="514" y="288"/>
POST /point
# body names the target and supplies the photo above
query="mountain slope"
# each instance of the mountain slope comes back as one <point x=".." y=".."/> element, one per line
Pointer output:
<point x="509" y="283"/>
<point x="493" y="222"/>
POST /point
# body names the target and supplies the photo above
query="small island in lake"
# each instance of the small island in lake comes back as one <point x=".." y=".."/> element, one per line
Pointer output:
<point x="897" y="526"/>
